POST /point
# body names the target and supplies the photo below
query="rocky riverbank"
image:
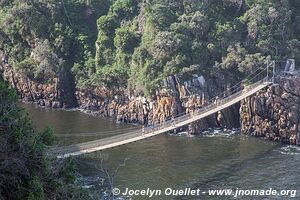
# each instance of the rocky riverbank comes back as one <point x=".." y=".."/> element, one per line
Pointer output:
<point x="176" y="97"/>
<point x="274" y="112"/>
<point x="56" y="93"/>
<point x="43" y="94"/>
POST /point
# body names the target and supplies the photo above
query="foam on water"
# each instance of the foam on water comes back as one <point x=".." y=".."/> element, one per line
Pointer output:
<point x="289" y="150"/>
<point x="220" y="133"/>
<point x="90" y="181"/>
<point x="210" y="133"/>
<point x="181" y="134"/>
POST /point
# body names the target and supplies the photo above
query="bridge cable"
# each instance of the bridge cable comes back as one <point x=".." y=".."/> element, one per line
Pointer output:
<point x="229" y="91"/>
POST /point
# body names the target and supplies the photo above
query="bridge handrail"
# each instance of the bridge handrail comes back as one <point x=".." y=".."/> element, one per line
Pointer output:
<point x="225" y="97"/>
<point x="207" y="108"/>
<point x="148" y="130"/>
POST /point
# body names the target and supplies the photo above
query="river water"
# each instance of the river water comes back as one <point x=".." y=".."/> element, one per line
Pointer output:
<point x="215" y="160"/>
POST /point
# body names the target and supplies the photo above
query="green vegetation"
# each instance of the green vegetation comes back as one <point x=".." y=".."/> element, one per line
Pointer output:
<point x="26" y="170"/>
<point x="137" y="43"/>
<point x="119" y="44"/>
<point x="41" y="38"/>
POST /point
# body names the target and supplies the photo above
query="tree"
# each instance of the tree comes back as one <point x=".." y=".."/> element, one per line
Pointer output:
<point x="161" y="16"/>
<point x="48" y="63"/>
<point x="124" y="9"/>
<point x="164" y="45"/>
<point x="267" y="26"/>
<point x="236" y="54"/>
<point x="126" y="40"/>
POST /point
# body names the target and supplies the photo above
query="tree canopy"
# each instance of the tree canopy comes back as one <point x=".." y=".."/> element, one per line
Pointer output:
<point x="137" y="43"/>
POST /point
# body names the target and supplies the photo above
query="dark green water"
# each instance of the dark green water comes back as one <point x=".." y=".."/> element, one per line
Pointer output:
<point x="217" y="160"/>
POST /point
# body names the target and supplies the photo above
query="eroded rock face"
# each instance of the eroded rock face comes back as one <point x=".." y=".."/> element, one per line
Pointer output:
<point x="175" y="98"/>
<point x="29" y="91"/>
<point x="274" y="112"/>
<point x="50" y="94"/>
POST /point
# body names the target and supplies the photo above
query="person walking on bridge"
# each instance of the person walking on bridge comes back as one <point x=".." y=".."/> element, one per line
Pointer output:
<point x="217" y="101"/>
<point x="173" y="121"/>
<point x="152" y="127"/>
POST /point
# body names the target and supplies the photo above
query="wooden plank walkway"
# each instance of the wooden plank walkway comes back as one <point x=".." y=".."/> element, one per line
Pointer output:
<point x="110" y="142"/>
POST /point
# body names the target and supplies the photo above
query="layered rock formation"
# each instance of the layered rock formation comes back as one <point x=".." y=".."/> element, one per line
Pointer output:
<point x="175" y="98"/>
<point x="275" y="112"/>
<point x="52" y="94"/>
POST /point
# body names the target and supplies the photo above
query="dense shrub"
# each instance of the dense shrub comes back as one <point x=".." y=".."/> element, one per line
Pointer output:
<point x="26" y="170"/>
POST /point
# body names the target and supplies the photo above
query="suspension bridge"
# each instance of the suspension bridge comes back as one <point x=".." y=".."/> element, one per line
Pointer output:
<point x="257" y="81"/>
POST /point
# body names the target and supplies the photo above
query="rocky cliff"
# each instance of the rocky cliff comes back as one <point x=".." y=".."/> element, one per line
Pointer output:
<point x="175" y="97"/>
<point x="274" y="112"/>
<point x="52" y="94"/>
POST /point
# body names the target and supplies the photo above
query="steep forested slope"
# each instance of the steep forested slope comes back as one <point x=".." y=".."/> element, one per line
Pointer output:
<point x="137" y="43"/>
